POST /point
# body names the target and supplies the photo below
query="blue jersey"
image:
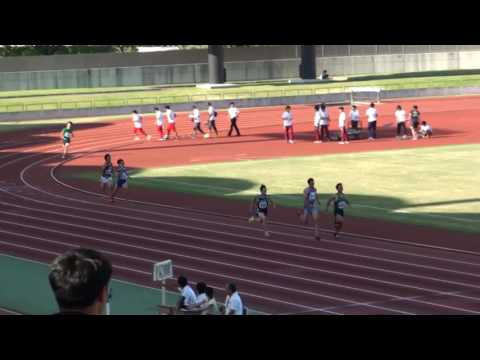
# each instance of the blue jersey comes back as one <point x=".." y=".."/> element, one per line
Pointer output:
<point x="122" y="173"/>
<point x="311" y="199"/>
<point x="262" y="203"/>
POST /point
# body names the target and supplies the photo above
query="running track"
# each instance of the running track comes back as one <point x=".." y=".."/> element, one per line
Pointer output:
<point x="43" y="215"/>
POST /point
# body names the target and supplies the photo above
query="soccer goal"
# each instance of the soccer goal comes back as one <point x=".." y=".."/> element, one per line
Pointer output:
<point x="163" y="271"/>
<point x="365" y="95"/>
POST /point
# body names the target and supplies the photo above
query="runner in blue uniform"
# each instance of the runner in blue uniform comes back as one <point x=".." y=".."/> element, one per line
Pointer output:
<point x="311" y="206"/>
<point x="259" y="209"/>
<point x="122" y="179"/>
<point x="106" y="180"/>
<point x="340" y="202"/>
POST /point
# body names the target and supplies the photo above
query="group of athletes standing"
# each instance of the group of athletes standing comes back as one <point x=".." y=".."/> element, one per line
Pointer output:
<point x="169" y="117"/>
<point x="321" y="123"/>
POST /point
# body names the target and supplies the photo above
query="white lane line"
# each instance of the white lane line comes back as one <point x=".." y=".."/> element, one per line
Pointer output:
<point x="151" y="262"/>
<point x="210" y="213"/>
<point x="204" y="249"/>
<point x="208" y="261"/>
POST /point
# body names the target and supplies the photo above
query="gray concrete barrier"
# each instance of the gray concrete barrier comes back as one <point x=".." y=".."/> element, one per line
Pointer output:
<point x="337" y="98"/>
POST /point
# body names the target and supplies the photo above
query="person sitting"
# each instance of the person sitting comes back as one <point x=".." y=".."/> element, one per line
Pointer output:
<point x="202" y="298"/>
<point x="324" y="75"/>
<point x="210" y="307"/>
<point x="188" y="297"/>
<point x="425" y="130"/>
<point x="233" y="303"/>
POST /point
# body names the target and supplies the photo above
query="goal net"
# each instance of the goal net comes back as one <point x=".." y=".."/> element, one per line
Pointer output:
<point x="365" y="95"/>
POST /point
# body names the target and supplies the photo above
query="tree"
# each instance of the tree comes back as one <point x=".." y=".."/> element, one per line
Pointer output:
<point x="29" y="50"/>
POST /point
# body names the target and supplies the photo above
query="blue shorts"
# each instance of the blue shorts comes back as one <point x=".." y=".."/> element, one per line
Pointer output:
<point x="311" y="210"/>
<point x="122" y="184"/>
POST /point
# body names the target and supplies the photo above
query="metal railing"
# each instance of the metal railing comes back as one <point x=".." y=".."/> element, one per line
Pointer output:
<point x="96" y="103"/>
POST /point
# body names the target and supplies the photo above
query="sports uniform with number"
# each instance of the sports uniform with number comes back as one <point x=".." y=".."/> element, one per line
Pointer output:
<point x="311" y="204"/>
<point x="107" y="175"/>
<point x="262" y="203"/>
<point x="339" y="205"/>
<point x="415" y="119"/>
<point x="67" y="136"/>
<point x="122" y="178"/>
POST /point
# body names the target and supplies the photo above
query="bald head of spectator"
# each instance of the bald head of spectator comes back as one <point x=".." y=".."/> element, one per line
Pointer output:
<point x="80" y="282"/>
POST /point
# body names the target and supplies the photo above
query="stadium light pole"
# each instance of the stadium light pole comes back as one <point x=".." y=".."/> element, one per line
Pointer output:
<point x="308" y="65"/>
<point x="216" y="64"/>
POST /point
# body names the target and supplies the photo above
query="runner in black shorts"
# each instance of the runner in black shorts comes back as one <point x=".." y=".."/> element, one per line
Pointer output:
<point x="259" y="209"/>
<point x="106" y="180"/>
<point x="340" y="202"/>
<point x="414" y="121"/>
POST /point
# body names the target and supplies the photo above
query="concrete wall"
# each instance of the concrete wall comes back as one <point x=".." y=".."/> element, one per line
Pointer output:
<point x="237" y="70"/>
<point x="277" y="52"/>
<point x="331" y="99"/>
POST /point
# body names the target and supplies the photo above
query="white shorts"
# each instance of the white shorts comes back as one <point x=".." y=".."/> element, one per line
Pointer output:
<point x="104" y="180"/>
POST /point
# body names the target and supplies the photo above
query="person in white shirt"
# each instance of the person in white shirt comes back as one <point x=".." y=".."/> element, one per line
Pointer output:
<point x="324" y="121"/>
<point x="188" y="297"/>
<point x="426" y="130"/>
<point x="233" y="113"/>
<point x="372" y="116"/>
<point x="354" y="117"/>
<point x="342" y="125"/>
<point x="208" y="304"/>
<point x="288" y="124"/>
<point x="138" y="126"/>
<point x="212" y="119"/>
<point x="197" y="125"/>
<point x="159" y="122"/>
<point x="401" y="117"/>
<point x="171" y="119"/>
<point x="316" y="124"/>
<point x="233" y="303"/>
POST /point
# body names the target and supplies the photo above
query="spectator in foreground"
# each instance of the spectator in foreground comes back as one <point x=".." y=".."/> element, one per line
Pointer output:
<point x="80" y="282"/>
<point x="188" y="297"/>
<point x="233" y="303"/>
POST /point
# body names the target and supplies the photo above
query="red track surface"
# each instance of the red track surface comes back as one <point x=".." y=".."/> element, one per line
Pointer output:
<point x="409" y="270"/>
